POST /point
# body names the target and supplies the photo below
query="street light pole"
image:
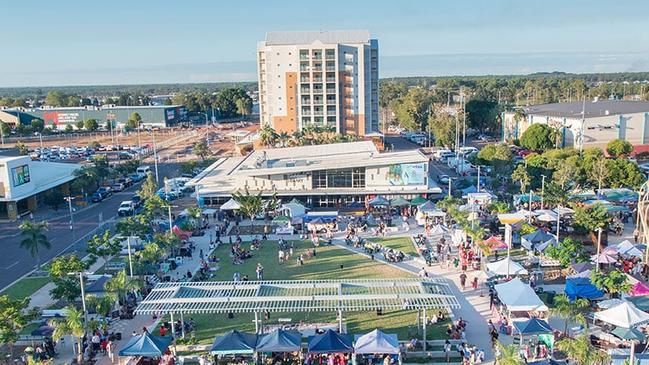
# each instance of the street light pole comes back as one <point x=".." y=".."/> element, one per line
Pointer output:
<point x="529" y="217"/>
<point x="170" y="220"/>
<point x="69" y="199"/>
<point x="155" y="158"/>
<point x="449" y="187"/>
<point x="83" y="300"/>
<point x="130" y="259"/>
<point x="478" y="178"/>
<point x="599" y="243"/>
<point x="542" y="190"/>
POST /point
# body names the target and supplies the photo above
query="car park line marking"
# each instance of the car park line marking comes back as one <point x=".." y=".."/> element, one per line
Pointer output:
<point x="12" y="265"/>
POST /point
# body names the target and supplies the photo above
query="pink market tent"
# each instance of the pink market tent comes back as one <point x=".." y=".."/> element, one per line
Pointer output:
<point x="639" y="289"/>
<point x="495" y="243"/>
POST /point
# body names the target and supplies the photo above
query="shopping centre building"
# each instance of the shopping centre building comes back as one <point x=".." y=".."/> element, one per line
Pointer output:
<point x="321" y="176"/>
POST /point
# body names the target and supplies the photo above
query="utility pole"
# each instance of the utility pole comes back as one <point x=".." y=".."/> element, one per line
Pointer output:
<point x="170" y="220"/>
<point x="581" y="129"/>
<point x="155" y="158"/>
<point x="478" y="178"/>
<point x="69" y="199"/>
<point x="599" y="243"/>
<point x="464" y="117"/>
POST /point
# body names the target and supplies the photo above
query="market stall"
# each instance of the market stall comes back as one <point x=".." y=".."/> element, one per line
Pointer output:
<point x="539" y="336"/>
<point x="147" y="346"/>
<point x="505" y="267"/>
<point x="377" y="342"/>
<point x="234" y="343"/>
<point x="538" y="240"/>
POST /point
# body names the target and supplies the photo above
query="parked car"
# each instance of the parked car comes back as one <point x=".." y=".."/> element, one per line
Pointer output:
<point x="118" y="187"/>
<point x="136" y="177"/>
<point x="105" y="191"/>
<point x="137" y="200"/>
<point x="125" y="155"/>
<point x="127" y="207"/>
<point x="127" y="181"/>
<point x="96" y="197"/>
<point x="444" y="179"/>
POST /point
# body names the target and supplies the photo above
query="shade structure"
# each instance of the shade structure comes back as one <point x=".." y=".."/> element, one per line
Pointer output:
<point x="609" y="303"/>
<point x="330" y="342"/>
<point x="399" y="202"/>
<point x="428" y="207"/>
<point x="506" y="266"/>
<point x="494" y="243"/>
<point x="639" y="288"/>
<point x="582" y="266"/>
<point x="628" y="334"/>
<point x="603" y="258"/>
<point x="230" y="205"/>
<point x="439" y="230"/>
<point x="510" y="218"/>
<point x="377" y="342"/>
<point x="580" y="275"/>
<point x="281" y="219"/>
<point x="280" y="341"/>
<point x="582" y="287"/>
<point x="146" y="345"/>
<point x="538" y="240"/>
<point x="519" y="297"/>
<point x="234" y="342"/>
<point x="469" y="189"/>
<point x="629" y="249"/>
<point x="563" y="211"/>
<point x="620" y="194"/>
<point x="548" y="216"/>
<point x="625" y="315"/>
<point x="525" y="213"/>
<point x="419" y="201"/>
<point x="379" y="201"/>
<point x="293" y="209"/>
<point x="532" y="326"/>
<point x="524" y="198"/>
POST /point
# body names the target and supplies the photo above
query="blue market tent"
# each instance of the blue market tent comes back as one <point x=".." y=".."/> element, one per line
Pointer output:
<point x="378" y="202"/>
<point x="532" y="326"/>
<point x="538" y="240"/>
<point x="146" y="345"/>
<point x="280" y="341"/>
<point x="234" y="342"/>
<point x="582" y="288"/>
<point x="377" y="342"/>
<point x="330" y="342"/>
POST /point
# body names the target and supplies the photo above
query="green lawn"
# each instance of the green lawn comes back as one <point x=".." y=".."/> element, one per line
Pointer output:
<point x="25" y="287"/>
<point x="325" y="265"/>
<point x="403" y="244"/>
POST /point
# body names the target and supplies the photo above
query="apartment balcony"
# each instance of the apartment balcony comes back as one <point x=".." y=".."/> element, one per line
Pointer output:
<point x="331" y="91"/>
<point x="317" y="79"/>
<point x="305" y="79"/>
<point x="331" y="68"/>
<point x="316" y="68"/>
<point x="305" y="90"/>
<point x="305" y="102"/>
<point x="305" y="68"/>
<point x="318" y="113"/>
<point x="304" y="58"/>
<point x="330" y="56"/>
<point x="316" y="56"/>
<point x="331" y="101"/>
<point x="330" y="79"/>
<point x="331" y="112"/>
<point x="317" y="102"/>
<point x="317" y="91"/>
<point x="306" y="113"/>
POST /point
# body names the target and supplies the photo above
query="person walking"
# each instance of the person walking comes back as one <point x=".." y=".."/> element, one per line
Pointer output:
<point x="463" y="280"/>
<point x="260" y="271"/>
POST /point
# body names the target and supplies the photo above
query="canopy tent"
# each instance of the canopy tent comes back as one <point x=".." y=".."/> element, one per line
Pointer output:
<point x="439" y="230"/>
<point x="545" y="215"/>
<point x="330" y="342"/>
<point x="510" y="218"/>
<point x="641" y="302"/>
<point x="146" y="345"/>
<point x="377" y="342"/>
<point x="538" y="240"/>
<point x="580" y="275"/>
<point x="379" y="202"/>
<point x="293" y="209"/>
<point x="598" y="201"/>
<point x="628" y="334"/>
<point x="44" y="330"/>
<point x="603" y="258"/>
<point x="494" y="243"/>
<point x="639" y="289"/>
<point x="281" y="219"/>
<point x="617" y="208"/>
<point x="504" y="267"/>
<point x="230" y="205"/>
<point x="524" y="198"/>
<point x="627" y="248"/>
<point x="98" y="286"/>
<point x="609" y="303"/>
<point x="519" y="297"/>
<point x="525" y="213"/>
<point x="620" y="194"/>
<point x="563" y="211"/>
<point x="582" y="287"/>
<point x="280" y="341"/>
<point x="582" y="266"/>
<point x="428" y="207"/>
<point x="625" y="315"/>
<point x="234" y="342"/>
<point x="532" y="326"/>
<point x="469" y="189"/>
<point x="419" y="200"/>
<point x="399" y="202"/>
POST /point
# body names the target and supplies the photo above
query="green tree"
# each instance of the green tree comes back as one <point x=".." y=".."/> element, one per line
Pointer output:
<point x="619" y="148"/>
<point x="520" y="174"/>
<point x="152" y="253"/>
<point x="5" y="129"/>
<point x="70" y="325"/>
<point x="54" y="98"/>
<point x="91" y="125"/>
<point x="201" y="150"/>
<point x="34" y="239"/>
<point x="244" y="106"/>
<point x="250" y="204"/>
<point x="64" y="271"/>
<point x="582" y="351"/>
<point x="120" y="284"/>
<point x="68" y="128"/>
<point x="599" y="172"/>
<point x="508" y="355"/>
<point x="413" y="109"/>
<point x="567" y="252"/>
<point x="102" y="305"/>
<point x="538" y="137"/>
<point x="556" y="195"/>
<point x="570" y="311"/>
<point x="149" y="187"/>
<point x="267" y="135"/>
<point x="613" y="282"/>
<point x="592" y="219"/>
<point x="37" y="125"/>
<point x="483" y="114"/>
<point x="136" y="225"/>
<point x="498" y="156"/>
<point x="102" y="246"/>
<point x="80" y="124"/>
<point x="226" y="102"/>
<point x="13" y="318"/>
<point x="623" y="173"/>
<point x="443" y="127"/>
<point x="22" y="148"/>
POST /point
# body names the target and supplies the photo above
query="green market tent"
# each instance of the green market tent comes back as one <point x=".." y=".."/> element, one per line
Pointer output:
<point x="399" y="202"/>
<point x="281" y="219"/>
<point x="378" y="202"/>
<point x="418" y="201"/>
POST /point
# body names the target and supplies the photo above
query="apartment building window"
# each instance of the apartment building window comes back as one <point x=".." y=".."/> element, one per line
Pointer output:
<point x="342" y="178"/>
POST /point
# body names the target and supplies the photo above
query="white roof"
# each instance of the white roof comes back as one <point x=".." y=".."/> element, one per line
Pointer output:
<point x="230" y="205"/>
<point x="625" y="315"/>
<point x="506" y="266"/>
<point x="519" y="297"/>
<point x="327" y="37"/>
<point x="43" y="176"/>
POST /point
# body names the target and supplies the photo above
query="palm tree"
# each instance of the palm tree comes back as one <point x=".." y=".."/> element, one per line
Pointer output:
<point x="508" y="355"/>
<point x="581" y="351"/>
<point x="567" y="310"/>
<point x="283" y="138"/>
<point x="33" y="239"/>
<point x="195" y="214"/>
<point x="121" y="284"/>
<point x="250" y="205"/>
<point x="70" y="325"/>
<point x="267" y="135"/>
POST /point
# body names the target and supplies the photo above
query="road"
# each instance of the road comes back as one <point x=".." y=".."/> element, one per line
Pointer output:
<point x="16" y="261"/>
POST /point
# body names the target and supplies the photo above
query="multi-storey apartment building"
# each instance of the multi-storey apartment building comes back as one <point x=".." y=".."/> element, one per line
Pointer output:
<point x="321" y="78"/>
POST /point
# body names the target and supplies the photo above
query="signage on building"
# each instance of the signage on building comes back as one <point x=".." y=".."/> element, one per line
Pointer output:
<point x="407" y="174"/>
<point x="57" y="118"/>
<point x="20" y="175"/>
<point x="171" y="114"/>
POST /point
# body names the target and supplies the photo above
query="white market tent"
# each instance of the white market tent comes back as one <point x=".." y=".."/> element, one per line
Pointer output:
<point x="293" y="209"/>
<point x="627" y="248"/>
<point x="519" y="297"/>
<point x="439" y="230"/>
<point x="230" y="205"/>
<point x="625" y="315"/>
<point x="505" y="267"/>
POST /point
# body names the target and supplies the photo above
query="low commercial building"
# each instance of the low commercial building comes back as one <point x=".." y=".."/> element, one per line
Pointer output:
<point x="331" y="175"/>
<point x="589" y="124"/>
<point x="59" y="118"/>
<point x="23" y="183"/>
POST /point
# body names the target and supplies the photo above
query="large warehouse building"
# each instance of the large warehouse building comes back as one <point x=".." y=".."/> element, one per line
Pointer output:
<point x="152" y="116"/>
<point x="321" y="78"/>
<point x="316" y="176"/>
<point x="603" y="121"/>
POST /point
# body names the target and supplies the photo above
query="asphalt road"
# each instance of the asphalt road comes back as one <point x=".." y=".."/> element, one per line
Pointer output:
<point x="16" y="261"/>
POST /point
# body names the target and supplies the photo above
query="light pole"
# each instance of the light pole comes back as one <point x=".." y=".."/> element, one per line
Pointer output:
<point x="40" y="137"/>
<point x="542" y="190"/>
<point x="83" y="296"/>
<point x="599" y="243"/>
<point x="558" y="223"/>
<point x="529" y="217"/>
<point x="449" y="186"/>
<point x="478" y="179"/>
<point x="69" y="200"/>
<point x="170" y="219"/>
<point x="130" y="259"/>
<point x="155" y="158"/>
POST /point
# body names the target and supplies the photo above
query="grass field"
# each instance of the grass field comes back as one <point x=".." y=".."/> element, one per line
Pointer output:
<point x="325" y="265"/>
<point x="25" y="287"/>
<point x="403" y="244"/>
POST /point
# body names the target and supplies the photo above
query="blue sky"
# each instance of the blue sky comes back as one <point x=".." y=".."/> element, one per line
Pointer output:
<point x="98" y="42"/>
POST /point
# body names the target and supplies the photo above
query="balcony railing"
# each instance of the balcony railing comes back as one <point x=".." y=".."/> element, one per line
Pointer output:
<point x="316" y="68"/>
<point x="331" y="101"/>
<point x="306" y="113"/>
<point x="331" y="91"/>
<point x="331" y="68"/>
<point x="331" y="79"/>
<point x="305" y="90"/>
<point x="305" y="102"/>
<point x="318" y="113"/>
<point x="317" y="102"/>
<point x="317" y="91"/>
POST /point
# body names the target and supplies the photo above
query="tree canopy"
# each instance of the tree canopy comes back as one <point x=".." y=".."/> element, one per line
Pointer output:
<point x="538" y="137"/>
<point x="619" y="147"/>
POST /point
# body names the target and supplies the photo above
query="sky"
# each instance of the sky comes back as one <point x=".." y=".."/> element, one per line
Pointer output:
<point x="65" y="42"/>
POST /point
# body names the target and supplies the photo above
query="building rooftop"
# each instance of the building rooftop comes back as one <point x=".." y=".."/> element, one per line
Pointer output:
<point x="330" y="37"/>
<point x="593" y="109"/>
<point x="102" y="107"/>
<point x="44" y="176"/>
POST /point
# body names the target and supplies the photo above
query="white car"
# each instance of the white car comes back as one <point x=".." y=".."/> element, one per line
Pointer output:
<point x="127" y="207"/>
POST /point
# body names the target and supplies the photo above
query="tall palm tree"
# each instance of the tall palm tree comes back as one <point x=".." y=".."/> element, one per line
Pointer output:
<point x="121" y="284"/>
<point x="34" y="238"/>
<point x="567" y="310"/>
<point x="70" y="325"/>
<point x="581" y="351"/>
<point x="283" y="138"/>
<point x="508" y="355"/>
<point x="267" y="135"/>
<point x="250" y="205"/>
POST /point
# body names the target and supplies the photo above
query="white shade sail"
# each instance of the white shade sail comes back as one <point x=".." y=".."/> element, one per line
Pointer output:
<point x="519" y="297"/>
<point x="625" y="315"/>
<point x="230" y="205"/>
<point x="506" y="266"/>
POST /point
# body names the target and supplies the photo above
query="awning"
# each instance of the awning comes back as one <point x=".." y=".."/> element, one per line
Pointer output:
<point x="504" y="267"/>
<point x="519" y="297"/>
<point x="532" y="326"/>
<point x="625" y="315"/>
<point x="280" y="341"/>
<point x="377" y="342"/>
<point x="330" y="342"/>
<point x="639" y="289"/>
<point x="603" y="258"/>
<point x="146" y="345"/>
<point x="494" y="243"/>
<point x="582" y="266"/>
<point x="230" y="205"/>
<point x="234" y="342"/>
<point x="281" y="219"/>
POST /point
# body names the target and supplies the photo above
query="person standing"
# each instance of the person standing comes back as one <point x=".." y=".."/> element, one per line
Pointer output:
<point x="463" y="280"/>
<point x="260" y="271"/>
